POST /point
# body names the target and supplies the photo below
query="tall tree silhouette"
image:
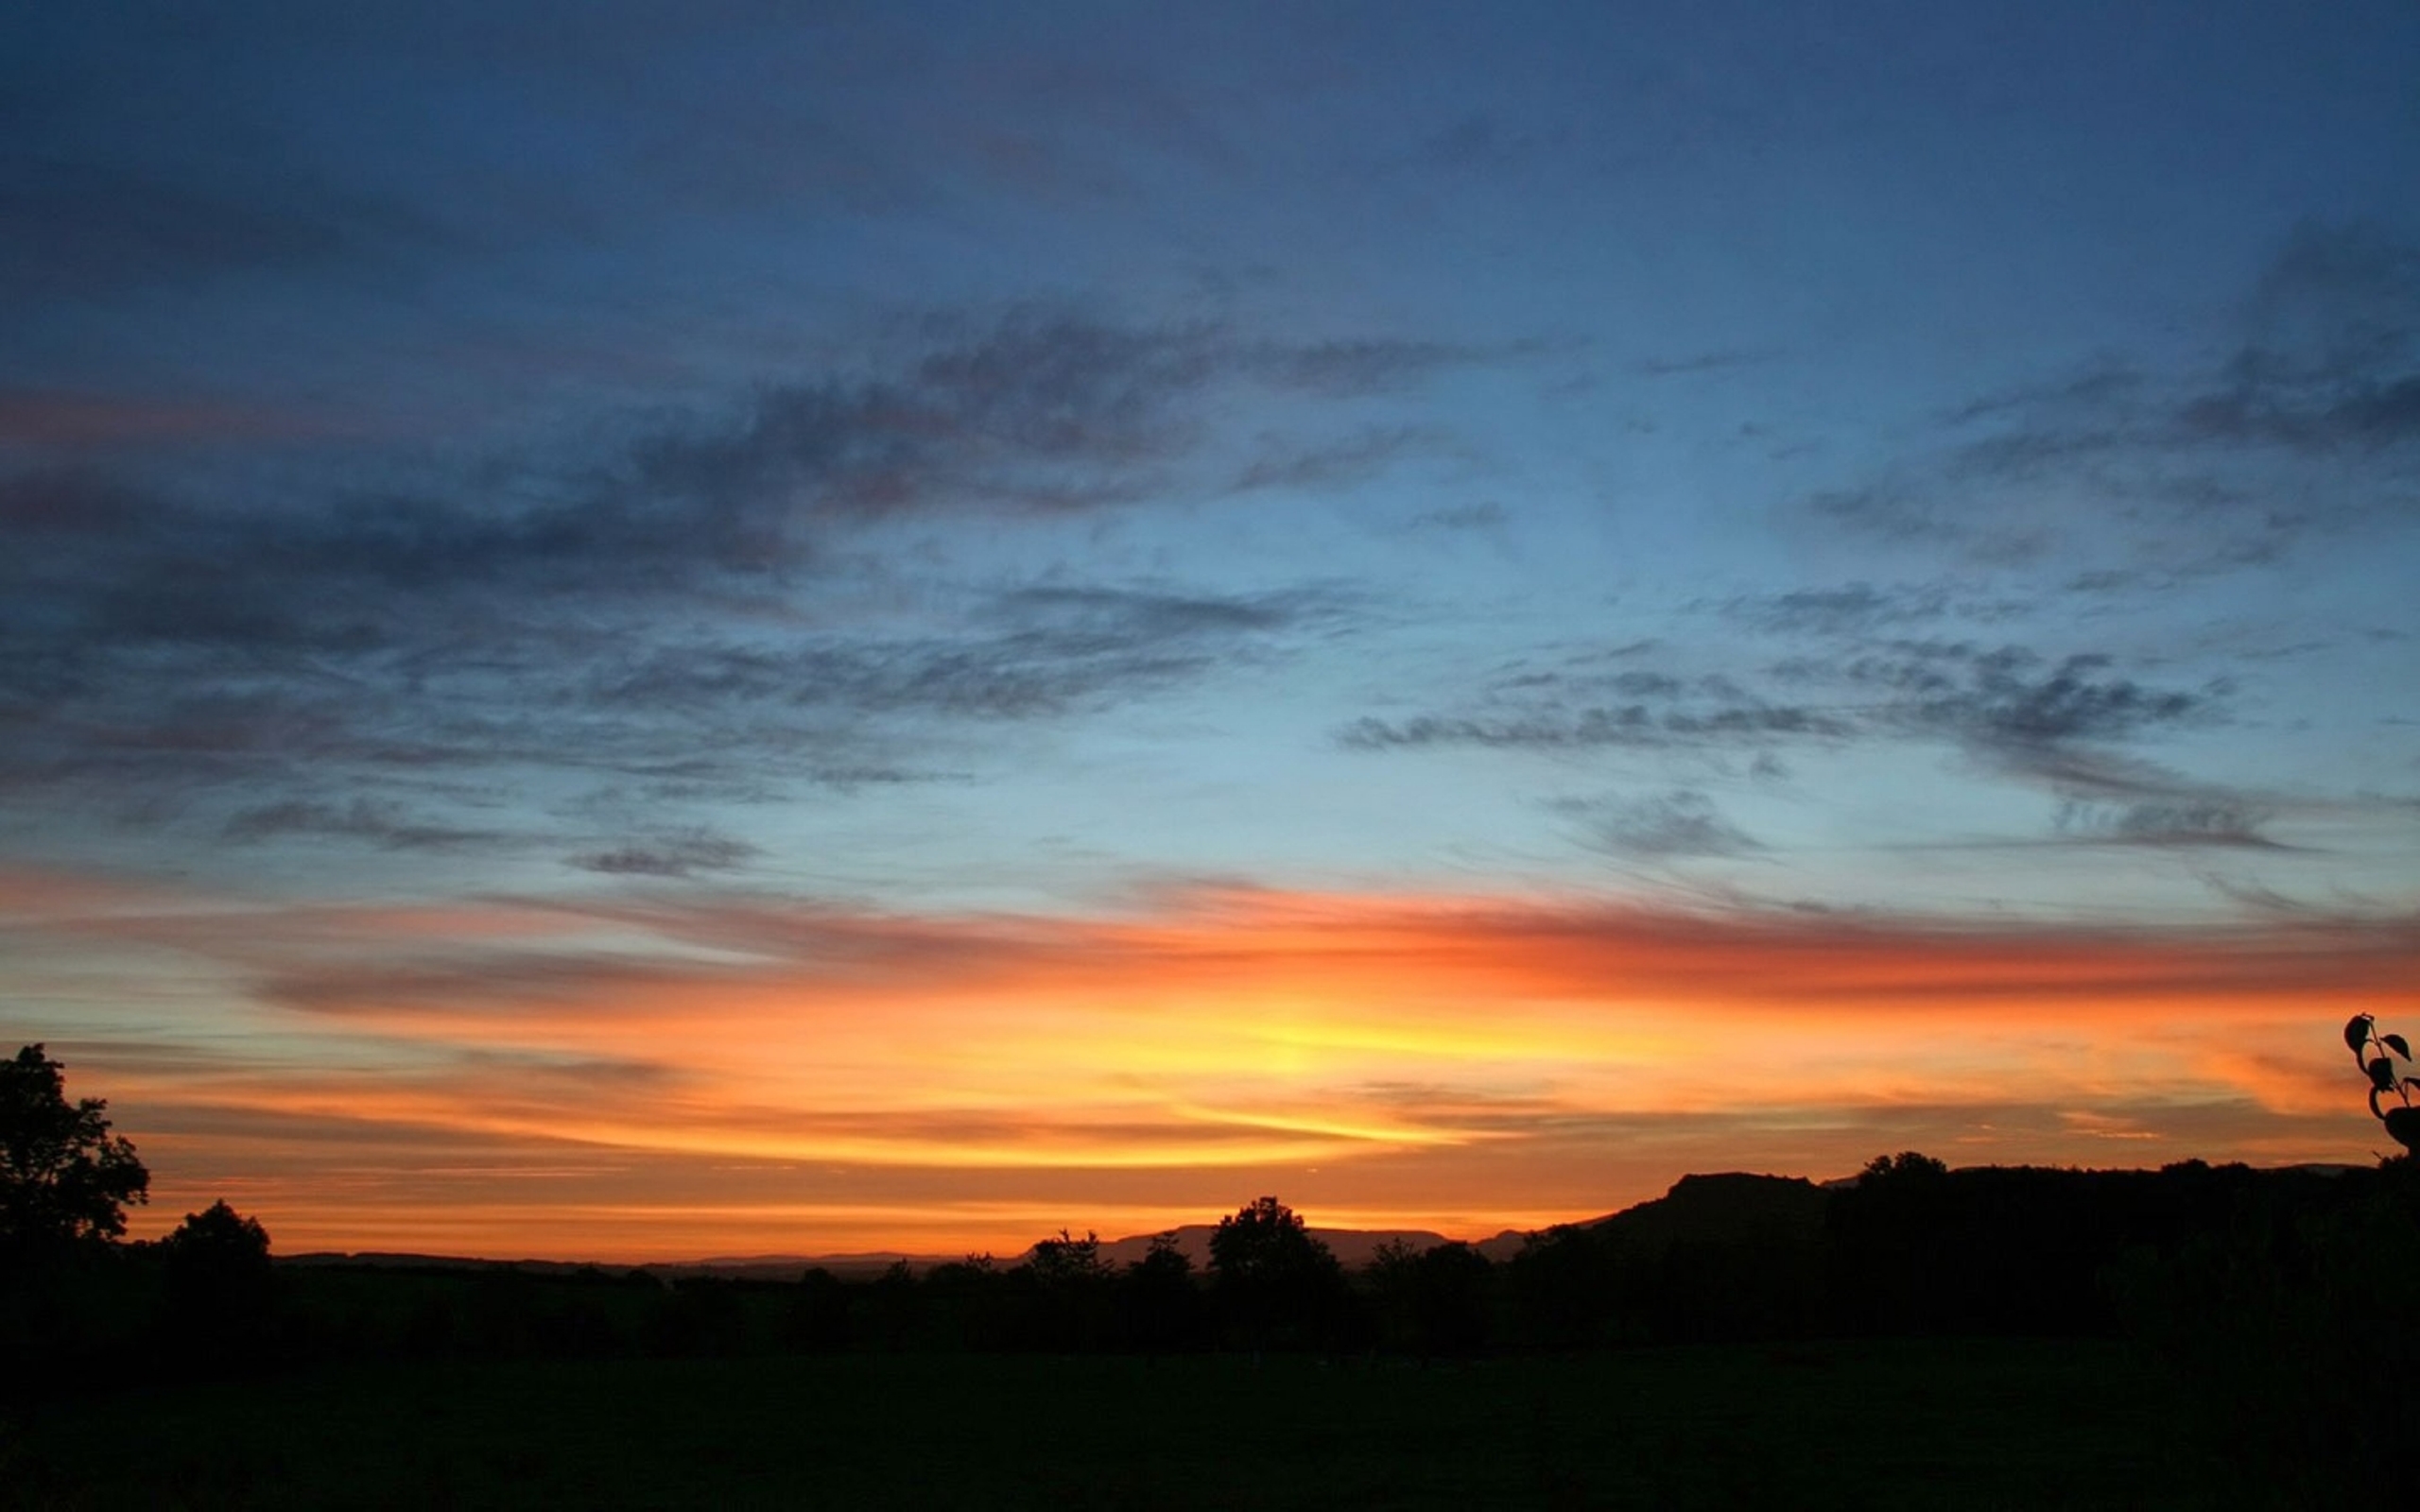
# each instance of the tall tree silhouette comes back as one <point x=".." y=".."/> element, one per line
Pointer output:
<point x="64" y="1178"/>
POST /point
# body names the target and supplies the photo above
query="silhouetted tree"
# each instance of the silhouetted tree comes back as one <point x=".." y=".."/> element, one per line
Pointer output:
<point x="1067" y="1261"/>
<point x="1162" y="1307"/>
<point x="817" y="1320"/>
<point x="64" y="1178"/>
<point x="1278" y="1285"/>
<point x="892" y="1305"/>
<point x="1073" y="1279"/>
<point x="973" y="1305"/>
<point x="1431" y="1301"/>
<point x="1906" y="1166"/>
<point x="218" y="1286"/>
<point x="217" y="1252"/>
<point x="1563" y="1286"/>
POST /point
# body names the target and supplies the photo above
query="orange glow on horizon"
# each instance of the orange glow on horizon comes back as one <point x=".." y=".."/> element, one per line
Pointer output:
<point x="656" y="1079"/>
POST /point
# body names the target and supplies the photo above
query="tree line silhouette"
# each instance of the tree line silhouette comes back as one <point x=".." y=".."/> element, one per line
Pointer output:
<point x="2283" y="1296"/>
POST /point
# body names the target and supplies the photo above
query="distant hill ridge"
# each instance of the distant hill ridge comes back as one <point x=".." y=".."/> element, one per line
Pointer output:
<point x="1718" y="1208"/>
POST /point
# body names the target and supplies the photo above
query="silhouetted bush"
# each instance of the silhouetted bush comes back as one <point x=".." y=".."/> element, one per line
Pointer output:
<point x="219" y="1291"/>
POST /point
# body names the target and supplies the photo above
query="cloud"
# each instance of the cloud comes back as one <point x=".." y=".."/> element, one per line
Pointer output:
<point x="88" y="228"/>
<point x="1043" y="411"/>
<point x="1024" y="653"/>
<point x="731" y="1046"/>
<point x="384" y="824"/>
<point x="2007" y="700"/>
<point x="682" y="854"/>
<point x="2181" y="468"/>
<point x="1862" y="608"/>
<point x="562" y="617"/>
<point x="2191" y="823"/>
<point x="1683" y="822"/>
<point x="1486" y="515"/>
<point x="1332" y="465"/>
<point x="1724" y="360"/>
<point x="1037" y="413"/>
<point x="1357" y="368"/>
<point x="1633" y="726"/>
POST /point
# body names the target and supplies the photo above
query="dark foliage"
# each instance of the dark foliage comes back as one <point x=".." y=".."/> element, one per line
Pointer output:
<point x="2286" y="1324"/>
<point x="219" y="1291"/>
<point x="2280" y="1297"/>
<point x="1433" y="1301"/>
<point x="1276" y="1285"/>
<point x="2377" y="1054"/>
<point x="64" y="1179"/>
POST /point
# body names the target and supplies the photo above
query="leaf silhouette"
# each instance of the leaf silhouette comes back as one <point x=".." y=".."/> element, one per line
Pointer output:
<point x="2403" y="1126"/>
<point x="2394" y="1042"/>
<point x="2357" y="1032"/>
<point x="2382" y="1074"/>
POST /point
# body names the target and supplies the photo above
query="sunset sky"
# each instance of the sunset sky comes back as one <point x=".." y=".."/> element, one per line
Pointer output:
<point x="641" y="631"/>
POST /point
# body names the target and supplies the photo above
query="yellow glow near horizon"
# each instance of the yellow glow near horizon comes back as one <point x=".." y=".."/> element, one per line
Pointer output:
<point x="516" y="1085"/>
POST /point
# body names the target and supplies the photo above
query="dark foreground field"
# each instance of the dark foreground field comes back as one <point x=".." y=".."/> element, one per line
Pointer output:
<point x="1969" y="1424"/>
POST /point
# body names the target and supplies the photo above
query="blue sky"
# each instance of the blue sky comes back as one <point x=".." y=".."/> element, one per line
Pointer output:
<point x="1942" y="467"/>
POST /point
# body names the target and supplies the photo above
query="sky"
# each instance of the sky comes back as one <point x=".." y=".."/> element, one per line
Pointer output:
<point x="642" y="631"/>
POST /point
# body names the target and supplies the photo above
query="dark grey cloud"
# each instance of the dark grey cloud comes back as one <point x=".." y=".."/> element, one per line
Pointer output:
<point x="1338" y="464"/>
<point x="2009" y="696"/>
<point x="2099" y="386"/>
<point x="2370" y="416"/>
<point x="1129" y="616"/>
<point x="384" y="824"/>
<point x="1683" y="822"/>
<point x="1357" y="368"/>
<point x="166" y="730"/>
<point x="1042" y="410"/>
<point x="1487" y="515"/>
<point x="84" y="227"/>
<point x="680" y="854"/>
<point x="2306" y="424"/>
<point x="1862" y="608"/>
<point x="2060" y="724"/>
<point x="1705" y="362"/>
<point x="1633" y="726"/>
<point x="1034" y="413"/>
<point x="1024" y="653"/>
<point x="641" y="616"/>
<point x="2181" y="823"/>
<point x="1476" y="143"/>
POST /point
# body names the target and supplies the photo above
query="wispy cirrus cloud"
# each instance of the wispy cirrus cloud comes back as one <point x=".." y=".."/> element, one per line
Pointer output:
<point x="1683" y="822"/>
<point x="2301" y="429"/>
<point x="682" y="853"/>
<point x="566" y="616"/>
<point x="2006" y="701"/>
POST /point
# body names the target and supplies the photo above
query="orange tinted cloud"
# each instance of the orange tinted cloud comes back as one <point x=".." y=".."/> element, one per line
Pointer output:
<point x="742" y="1074"/>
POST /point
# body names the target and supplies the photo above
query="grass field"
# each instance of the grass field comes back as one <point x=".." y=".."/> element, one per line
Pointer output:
<point x="1914" y="1424"/>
